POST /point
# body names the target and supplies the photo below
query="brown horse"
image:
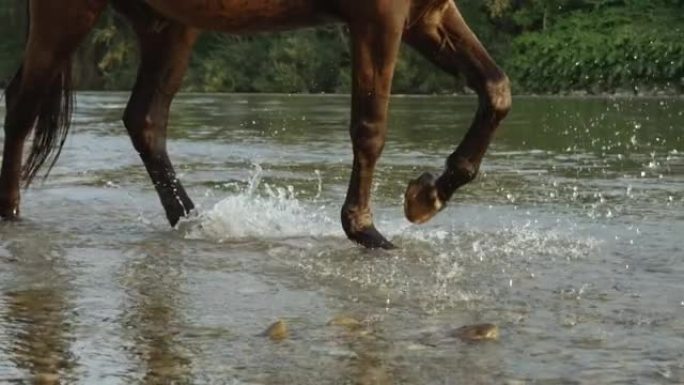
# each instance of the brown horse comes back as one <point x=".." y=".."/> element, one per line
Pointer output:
<point x="38" y="97"/>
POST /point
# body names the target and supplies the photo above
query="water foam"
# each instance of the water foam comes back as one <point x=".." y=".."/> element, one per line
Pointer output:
<point x="265" y="212"/>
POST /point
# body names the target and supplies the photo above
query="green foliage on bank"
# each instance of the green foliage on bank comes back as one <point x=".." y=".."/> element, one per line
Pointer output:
<point x="604" y="49"/>
<point x="309" y="60"/>
<point x="546" y="46"/>
<point x="12" y="31"/>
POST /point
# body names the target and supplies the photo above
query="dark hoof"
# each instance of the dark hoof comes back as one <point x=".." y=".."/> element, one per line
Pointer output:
<point x="371" y="238"/>
<point x="174" y="218"/>
<point x="9" y="214"/>
<point x="421" y="200"/>
<point x="177" y="213"/>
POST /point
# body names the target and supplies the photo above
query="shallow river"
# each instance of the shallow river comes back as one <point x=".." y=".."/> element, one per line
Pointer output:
<point x="570" y="241"/>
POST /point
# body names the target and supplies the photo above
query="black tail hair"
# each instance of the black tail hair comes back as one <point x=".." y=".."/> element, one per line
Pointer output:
<point x="51" y="126"/>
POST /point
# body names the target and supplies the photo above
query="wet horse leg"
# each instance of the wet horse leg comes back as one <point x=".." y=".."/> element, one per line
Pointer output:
<point x="18" y="124"/>
<point x="375" y="45"/>
<point x="55" y="32"/>
<point x="165" y="48"/>
<point x="443" y="37"/>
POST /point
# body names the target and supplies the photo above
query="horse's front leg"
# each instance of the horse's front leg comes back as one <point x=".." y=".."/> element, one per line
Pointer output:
<point x="444" y="38"/>
<point x="165" y="48"/>
<point x="375" y="44"/>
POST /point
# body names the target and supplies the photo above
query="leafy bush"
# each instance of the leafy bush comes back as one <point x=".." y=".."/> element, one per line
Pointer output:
<point x="300" y="61"/>
<point x="606" y="49"/>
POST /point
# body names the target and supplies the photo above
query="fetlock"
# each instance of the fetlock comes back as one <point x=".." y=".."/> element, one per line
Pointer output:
<point x="358" y="225"/>
<point x="460" y="171"/>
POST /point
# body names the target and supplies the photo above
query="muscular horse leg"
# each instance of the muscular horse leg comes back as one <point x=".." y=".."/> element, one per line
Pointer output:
<point x="443" y="37"/>
<point x="55" y="32"/>
<point x="165" y="49"/>
<point x="375" y="46"/>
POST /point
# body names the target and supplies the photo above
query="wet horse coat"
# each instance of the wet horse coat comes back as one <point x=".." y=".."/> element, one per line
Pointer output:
<point x="38" y="97"/>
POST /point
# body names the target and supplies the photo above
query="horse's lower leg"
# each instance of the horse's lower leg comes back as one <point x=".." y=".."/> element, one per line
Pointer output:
<point x="56" y="30"/>
<point x="375" y="47"/>
<point x="445" y="39"/>
<point x="17" y="127"/>
<point x="164" y="52"/>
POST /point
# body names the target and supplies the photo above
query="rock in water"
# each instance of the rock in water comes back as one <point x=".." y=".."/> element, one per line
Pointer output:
<point x="374" y="376"/>
<point x="348" y="323"/>
<point x="46" y="379"/>
<point x="277" y="331"/>
<point x="477" y="333"/>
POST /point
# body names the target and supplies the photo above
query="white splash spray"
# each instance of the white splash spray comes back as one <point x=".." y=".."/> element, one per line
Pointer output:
<point x="262" y="211"/>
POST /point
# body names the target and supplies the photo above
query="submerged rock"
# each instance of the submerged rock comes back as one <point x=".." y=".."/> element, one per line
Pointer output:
<point x="477" y="333"/>
<point x="375" y="376"/>
<point x="46" y="379"/>
<point x="348" y="323"/>
<point x="278" y="331"/>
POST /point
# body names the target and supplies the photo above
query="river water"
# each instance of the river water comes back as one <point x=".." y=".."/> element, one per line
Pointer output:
<point x="570" y="241"/>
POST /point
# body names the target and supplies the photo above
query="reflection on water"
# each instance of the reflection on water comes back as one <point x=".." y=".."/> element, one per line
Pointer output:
<point x="38" y="345"/>
<point x="38" y="313"/>
<point x="151" y="320"/>
<point x="569" y="242"/>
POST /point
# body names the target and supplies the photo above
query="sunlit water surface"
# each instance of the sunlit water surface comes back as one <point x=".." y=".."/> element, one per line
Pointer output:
<point x="570" y="241"/>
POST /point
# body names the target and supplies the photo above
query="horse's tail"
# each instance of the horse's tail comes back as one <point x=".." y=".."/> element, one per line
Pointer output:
<point x="51" y="126"/>
<point x="53" y="121"/>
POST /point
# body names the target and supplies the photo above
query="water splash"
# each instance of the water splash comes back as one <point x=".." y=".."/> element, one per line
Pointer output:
<point x="262" y="211"/>
<point x="441" y="266"/>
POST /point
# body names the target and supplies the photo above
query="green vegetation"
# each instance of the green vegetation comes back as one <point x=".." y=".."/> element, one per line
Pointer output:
<point x="546" y="46"/>
<point x="601" y="46"/>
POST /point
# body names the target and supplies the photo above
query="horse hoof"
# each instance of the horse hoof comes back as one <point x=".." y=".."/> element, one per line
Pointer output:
<point x="9" y="214"/>
<point x="421" y="200"/>
<point x="371" y="238"/>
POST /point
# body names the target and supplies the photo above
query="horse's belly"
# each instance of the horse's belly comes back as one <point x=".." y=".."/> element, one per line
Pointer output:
<point x="242" y="15"/>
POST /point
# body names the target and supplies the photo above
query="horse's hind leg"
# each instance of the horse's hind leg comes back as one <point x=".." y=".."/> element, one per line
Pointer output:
<point x="165" y="49"/>
<point x="375" y="44"/>
<point x="17" y="128"/>
<point x="34" y="96"/>
<point x="443" y="37"/>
